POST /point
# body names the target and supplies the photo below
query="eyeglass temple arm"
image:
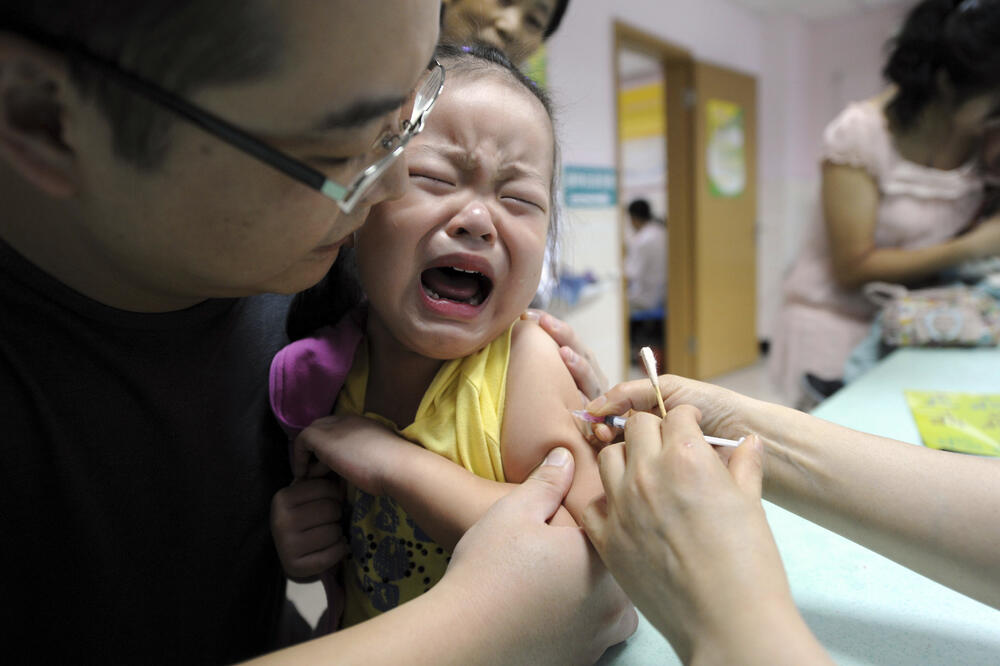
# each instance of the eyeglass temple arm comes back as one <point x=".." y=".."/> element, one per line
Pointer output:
<point x="210" y="123"/>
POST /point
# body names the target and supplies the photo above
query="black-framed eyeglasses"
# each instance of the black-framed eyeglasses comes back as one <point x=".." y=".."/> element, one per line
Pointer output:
<point x="346" y="196"/>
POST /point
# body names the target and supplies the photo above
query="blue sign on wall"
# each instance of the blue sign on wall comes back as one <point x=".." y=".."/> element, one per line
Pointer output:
<point x="590" y="187"/>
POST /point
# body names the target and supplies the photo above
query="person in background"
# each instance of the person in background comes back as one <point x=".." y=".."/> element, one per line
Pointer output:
<point x="646" y="258"/>
<point x="901" y="189"/>
<point x="144" y="261"/>
<point x="683" y="530"/>
<point x="646" y="275"/>
<point x="516" y="27"/>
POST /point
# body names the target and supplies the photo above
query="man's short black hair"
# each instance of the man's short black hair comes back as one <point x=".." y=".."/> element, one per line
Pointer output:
<point x="181" y="45"/>
<point x="640" y="210"/>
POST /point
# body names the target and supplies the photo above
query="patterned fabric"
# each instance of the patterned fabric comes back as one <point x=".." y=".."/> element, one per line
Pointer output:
<point x="459" y="418"/>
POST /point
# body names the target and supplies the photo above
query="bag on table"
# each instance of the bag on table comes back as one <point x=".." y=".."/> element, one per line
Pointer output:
<point x="955" y="316"/>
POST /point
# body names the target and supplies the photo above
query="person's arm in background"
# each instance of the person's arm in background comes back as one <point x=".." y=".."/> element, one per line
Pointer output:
<point x="689" y="541"/>
<point x="850" y="211"/>
<point x="932" y="511"/>
<point x="485" y="610"/>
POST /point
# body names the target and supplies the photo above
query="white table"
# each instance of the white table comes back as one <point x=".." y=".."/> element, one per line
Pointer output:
<point x="864" y="608"/>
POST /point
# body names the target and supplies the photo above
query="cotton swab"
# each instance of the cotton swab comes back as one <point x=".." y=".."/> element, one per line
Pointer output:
<point x="649" y="361"/>
<point x="619" y="422"/>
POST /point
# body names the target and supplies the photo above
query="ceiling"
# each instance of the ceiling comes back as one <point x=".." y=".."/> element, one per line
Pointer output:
<point x="815" y="9"/>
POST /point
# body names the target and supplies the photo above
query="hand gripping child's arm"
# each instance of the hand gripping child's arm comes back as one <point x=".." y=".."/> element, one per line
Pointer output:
<point x="541" y="394"/>
<point x="443" y="498"/>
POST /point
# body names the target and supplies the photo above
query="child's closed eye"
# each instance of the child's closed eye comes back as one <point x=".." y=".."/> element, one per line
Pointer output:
<point x="524" y="201"/>
<point x="432" y="180"/>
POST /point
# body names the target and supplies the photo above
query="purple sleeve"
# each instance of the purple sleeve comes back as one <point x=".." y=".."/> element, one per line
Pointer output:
<point x="307" y="375"/>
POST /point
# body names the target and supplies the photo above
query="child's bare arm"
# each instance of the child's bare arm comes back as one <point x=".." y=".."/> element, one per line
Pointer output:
<point x="444" y="498"/>
<point x="537" y="416"/>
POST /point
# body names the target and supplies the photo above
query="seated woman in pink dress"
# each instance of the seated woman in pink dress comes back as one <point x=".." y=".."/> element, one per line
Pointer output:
<point x="901" y="187"/>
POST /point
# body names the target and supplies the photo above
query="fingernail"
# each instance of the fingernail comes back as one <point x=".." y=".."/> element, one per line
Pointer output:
<point x="595" y="405"/>
<point x="757" y="444"/>
<point x="557" y="457"/>
<point x="532" y="316"/>
<point x="568" y="355"/>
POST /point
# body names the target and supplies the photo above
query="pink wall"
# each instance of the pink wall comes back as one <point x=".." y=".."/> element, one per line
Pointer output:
<point x="845" y="62"/>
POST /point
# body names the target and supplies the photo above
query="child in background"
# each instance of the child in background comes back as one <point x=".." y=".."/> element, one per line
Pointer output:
<point x="441" y="356"/>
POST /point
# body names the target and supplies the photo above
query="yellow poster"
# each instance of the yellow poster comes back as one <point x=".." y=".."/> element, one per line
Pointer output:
<point x="963" y="422"/>
<point x="727" y="161"/>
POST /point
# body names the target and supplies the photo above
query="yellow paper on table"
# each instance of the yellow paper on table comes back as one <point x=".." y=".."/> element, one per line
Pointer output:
<point x="963" y="422"/>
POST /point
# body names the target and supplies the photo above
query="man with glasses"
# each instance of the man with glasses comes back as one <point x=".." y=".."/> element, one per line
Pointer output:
<point x="168" y="169"/>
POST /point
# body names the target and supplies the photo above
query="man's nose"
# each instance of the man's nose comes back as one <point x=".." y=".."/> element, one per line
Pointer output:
<point x="391" y="185"/>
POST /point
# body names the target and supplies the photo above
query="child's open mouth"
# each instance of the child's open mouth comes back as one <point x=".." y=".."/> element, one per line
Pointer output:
<point x="446" y="283"/>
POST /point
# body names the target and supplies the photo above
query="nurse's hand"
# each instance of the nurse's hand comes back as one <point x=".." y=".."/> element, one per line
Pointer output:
<point x="724" y="413"/>
<point x="579" y="358"/>
<point x="688" y="541"/>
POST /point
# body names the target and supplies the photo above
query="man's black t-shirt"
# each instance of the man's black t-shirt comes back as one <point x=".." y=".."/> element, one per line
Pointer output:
<point x="139" y="461"/>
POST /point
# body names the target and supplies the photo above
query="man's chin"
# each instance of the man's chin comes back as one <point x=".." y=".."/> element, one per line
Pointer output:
<point x="300" y="278"/>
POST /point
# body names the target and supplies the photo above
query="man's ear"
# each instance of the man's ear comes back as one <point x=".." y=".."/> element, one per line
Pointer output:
<point x="34" y="88"/>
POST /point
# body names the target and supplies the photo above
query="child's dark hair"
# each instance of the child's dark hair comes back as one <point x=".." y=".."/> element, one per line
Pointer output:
<point x="956" y="38"/>
<point x="340" y="290"/>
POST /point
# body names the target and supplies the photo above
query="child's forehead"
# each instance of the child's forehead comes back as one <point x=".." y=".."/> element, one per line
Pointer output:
<point x="494" y="83"/>
<point x="476" y="122"/>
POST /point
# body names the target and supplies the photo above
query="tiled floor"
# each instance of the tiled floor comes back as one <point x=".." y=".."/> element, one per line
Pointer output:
<point x="751" y="381"/>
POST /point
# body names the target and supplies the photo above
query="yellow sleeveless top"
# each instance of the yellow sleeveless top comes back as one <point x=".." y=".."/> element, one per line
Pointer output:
<point x="392" y="560"/>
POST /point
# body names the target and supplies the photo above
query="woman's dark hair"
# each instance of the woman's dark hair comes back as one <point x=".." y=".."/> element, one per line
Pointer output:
<point x="557" y="17"/>
<point x="959" y="39"/>
<point x="340" y="290"/>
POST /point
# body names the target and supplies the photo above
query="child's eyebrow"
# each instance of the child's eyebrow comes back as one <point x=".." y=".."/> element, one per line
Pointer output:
<point x="463" y="159"/>
<point x="522" y="170"/>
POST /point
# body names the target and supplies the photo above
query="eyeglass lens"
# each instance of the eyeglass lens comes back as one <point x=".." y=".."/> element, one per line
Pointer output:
<point x="423" y="100"/>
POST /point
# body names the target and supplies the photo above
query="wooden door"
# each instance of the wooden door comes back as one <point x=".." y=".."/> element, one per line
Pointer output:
<point x="725" y="214"/>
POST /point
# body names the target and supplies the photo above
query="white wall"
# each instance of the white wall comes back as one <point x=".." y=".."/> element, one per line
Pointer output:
<point x="806" y="72"/>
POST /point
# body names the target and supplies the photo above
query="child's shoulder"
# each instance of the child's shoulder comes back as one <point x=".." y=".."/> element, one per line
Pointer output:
<point x="534" y="356"/>
<point x="529" y="337"/>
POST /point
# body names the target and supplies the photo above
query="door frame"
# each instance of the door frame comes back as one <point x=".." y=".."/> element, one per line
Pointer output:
<point x="678" y="69"/>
